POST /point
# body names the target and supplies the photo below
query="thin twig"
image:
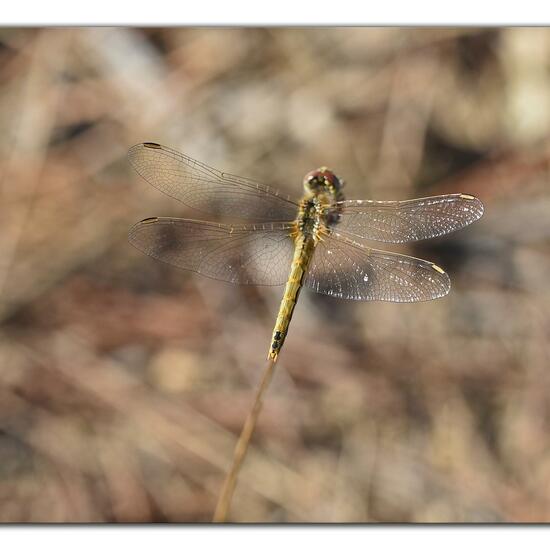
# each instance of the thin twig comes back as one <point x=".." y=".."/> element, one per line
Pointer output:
<point x="224" y="501"/>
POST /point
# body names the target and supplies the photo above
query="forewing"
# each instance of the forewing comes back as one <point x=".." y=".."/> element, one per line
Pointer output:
<point x="241" y="254"/>
<point x="405" y="221"/>
<point x="345" y="269"/>
<point x="207" y="189"/>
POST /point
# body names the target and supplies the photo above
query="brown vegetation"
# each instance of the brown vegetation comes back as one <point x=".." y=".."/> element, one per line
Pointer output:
<point x="124" y="382"/>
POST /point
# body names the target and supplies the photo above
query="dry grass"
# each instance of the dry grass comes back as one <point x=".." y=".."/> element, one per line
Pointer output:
<point x="124" y="383"/>
<point x="224" y="500"/>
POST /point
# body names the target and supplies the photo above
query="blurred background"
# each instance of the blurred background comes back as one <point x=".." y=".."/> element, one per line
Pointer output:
<point x="124" y="382"/>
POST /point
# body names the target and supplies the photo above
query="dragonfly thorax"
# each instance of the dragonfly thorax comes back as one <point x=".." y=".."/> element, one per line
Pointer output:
<point x="319" y="209"/>
<point x="317" y="213"/>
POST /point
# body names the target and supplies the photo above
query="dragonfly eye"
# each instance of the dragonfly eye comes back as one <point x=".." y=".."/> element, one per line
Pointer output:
<point x="336" y="182"/>
<point x="313" y="181"/>
<point x="322" y="179"/>
<point x="331" y="179"/>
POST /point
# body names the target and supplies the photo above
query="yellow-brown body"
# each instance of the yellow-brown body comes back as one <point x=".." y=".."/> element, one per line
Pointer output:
<point x="303" y="252"/>
<point x="323" y="190"/>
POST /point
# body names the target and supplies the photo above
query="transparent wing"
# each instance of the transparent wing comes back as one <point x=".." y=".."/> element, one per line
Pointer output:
<point x="207" y="189"/>
<point x="345" y="269"/>
<point x="405" y="221"/>
<point x="246" y="254"/>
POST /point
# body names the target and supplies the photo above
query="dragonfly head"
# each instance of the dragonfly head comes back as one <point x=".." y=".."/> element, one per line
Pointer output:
<point x="322" y="180"/>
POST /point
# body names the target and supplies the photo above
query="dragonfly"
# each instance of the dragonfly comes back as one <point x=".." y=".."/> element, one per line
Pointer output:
<point x="319" y="242"/>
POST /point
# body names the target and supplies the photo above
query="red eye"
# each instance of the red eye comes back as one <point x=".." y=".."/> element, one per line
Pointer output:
<point x="332" y="179"/>
<point x="321" y="178"/>
<point x="314" y="178"/>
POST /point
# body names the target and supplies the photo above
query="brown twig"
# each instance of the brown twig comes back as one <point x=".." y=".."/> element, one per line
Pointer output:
<point x="224" y="500"/>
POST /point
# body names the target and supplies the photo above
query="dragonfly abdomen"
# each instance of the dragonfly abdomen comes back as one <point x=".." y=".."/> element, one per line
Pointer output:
<point x="303" y="252"/>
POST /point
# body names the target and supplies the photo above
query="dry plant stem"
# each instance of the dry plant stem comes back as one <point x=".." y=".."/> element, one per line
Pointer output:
<point x="224" y="500"/>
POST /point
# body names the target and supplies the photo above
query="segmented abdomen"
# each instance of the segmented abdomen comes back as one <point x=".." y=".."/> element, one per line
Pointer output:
<point x="303" y="252"/>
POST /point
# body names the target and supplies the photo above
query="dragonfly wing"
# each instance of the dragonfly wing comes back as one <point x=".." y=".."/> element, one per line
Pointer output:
<point x="207" y="189"/>
<point x="241" y="254"/>
<point x="346" y="269"/>
<point x="405" y="221"/>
